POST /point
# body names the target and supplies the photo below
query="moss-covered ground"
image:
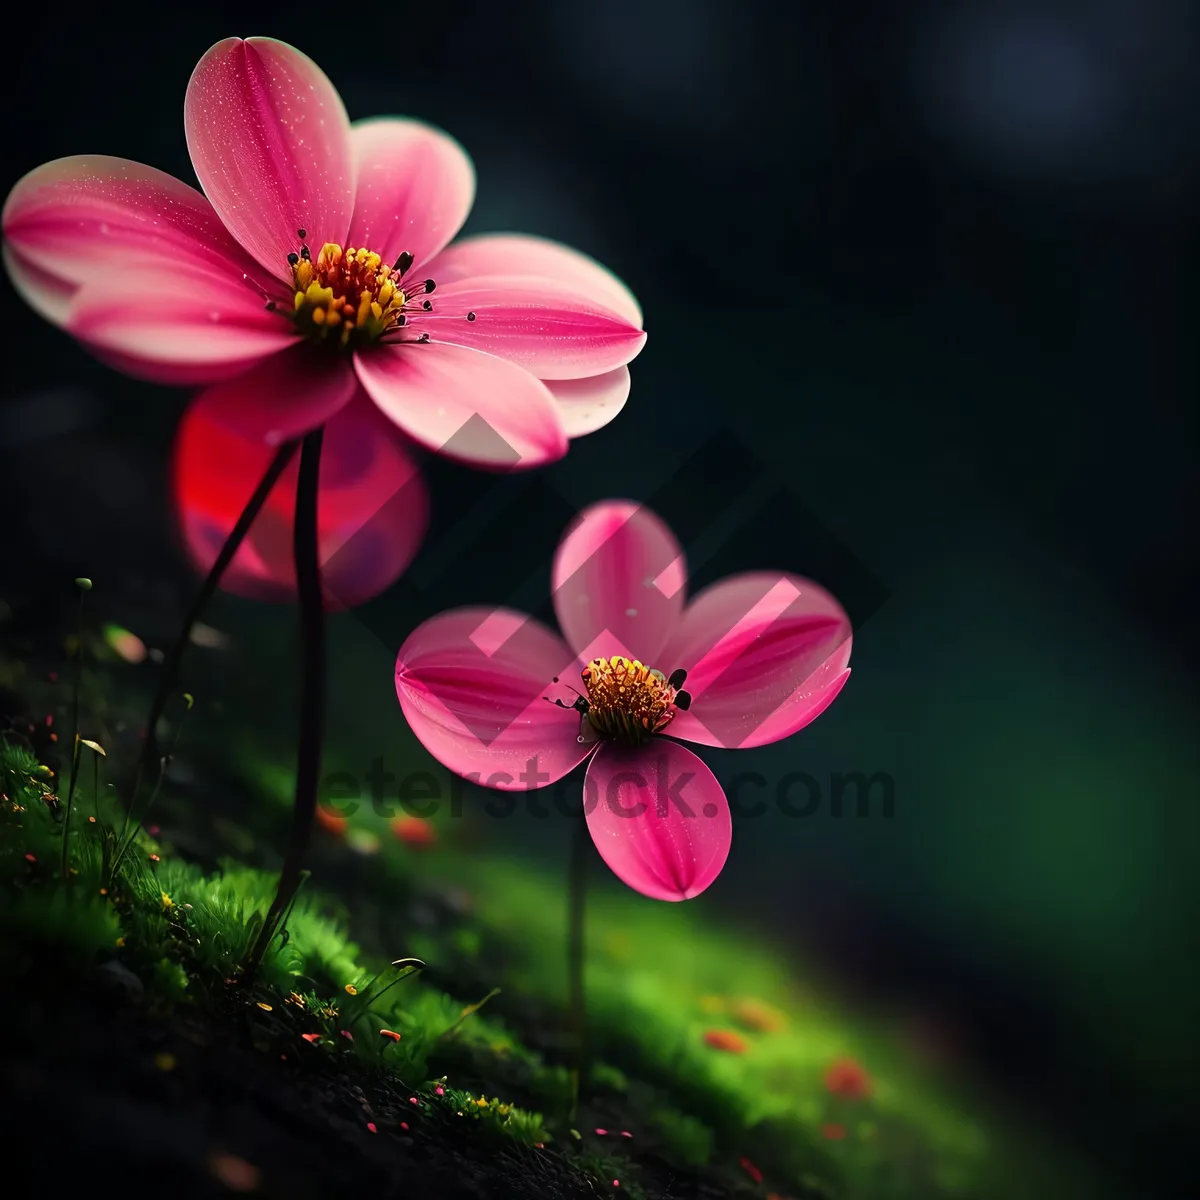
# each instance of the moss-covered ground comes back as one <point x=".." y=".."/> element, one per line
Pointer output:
<point x="715" y="1070"/>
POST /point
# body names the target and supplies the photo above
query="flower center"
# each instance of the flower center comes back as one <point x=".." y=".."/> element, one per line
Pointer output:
<point x="628" y="700"/>
<point x="351" y="297"/>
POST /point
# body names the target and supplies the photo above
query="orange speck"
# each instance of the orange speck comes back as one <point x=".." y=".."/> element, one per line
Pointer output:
<point x="833" y="1131"/>
<point x="91" y="820"/>
<point x="30" y="858"/>
<point x="846" y="1078"/>
<point x="264" y="1006"/>
<point x="104" y="891"/>
<point x="727" y="1040"/>
<point x="751" y="1169"/>
<point x="54" y="737"/>
<point x="330" y="821"/>
<point x="351" y="990"/>
<point x="235" y="1173"/>
<point x="387" y="1033"/>
<point x="311" y="1037"/>
<point x="759" y="1016"/>
<point x="414" y="831"/>
<point x="155" y="858"/>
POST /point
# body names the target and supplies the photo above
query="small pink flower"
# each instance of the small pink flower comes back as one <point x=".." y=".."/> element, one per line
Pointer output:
<point x="751" y="660"/>
<point x="319" y="254"/>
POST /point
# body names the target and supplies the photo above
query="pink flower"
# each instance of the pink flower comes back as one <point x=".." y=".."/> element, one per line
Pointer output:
<point x="527" y="336"/>
<point x="372" y="504"/>
<point x="761" y="654"/>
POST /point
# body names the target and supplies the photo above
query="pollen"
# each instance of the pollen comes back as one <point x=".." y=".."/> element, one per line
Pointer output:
<point x="347" y="296"/>
<point x="628" y="700"/>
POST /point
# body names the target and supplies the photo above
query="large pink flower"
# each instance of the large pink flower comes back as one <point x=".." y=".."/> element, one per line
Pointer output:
<point x="314" y="230"/>
<point x="746" y="661"/>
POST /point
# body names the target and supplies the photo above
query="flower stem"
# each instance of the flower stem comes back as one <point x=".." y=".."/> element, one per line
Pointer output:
<point x="576" y="948"/>
<point x="84" y="586"/>
<point x="312" y="696"/>
<point x="171" y="664"/>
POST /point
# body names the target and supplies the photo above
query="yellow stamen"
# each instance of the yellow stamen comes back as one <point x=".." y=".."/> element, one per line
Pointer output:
<point x="351" y="291"/>
<point x="627" y="700"/>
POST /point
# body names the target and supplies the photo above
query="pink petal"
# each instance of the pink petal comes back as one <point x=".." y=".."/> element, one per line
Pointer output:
<point x="518" y="254"/>
<point x="546" y="327"/>
<point x="589" y="404"/>
<point x="90" y="214"/>
<point x="658" y="817"/>
<point x="471" y="683"/>
<point x="46" y="294"/>
<point x="284" y="396"/>
<point x="619" y="577"/>
<point x="415" y="188"/>
<point x="172" y="327"/>
<point x="372" y="507"/>
<point x="270" y="143"/>
<point x="465" y="404"/>
<point x="765" y="653"/>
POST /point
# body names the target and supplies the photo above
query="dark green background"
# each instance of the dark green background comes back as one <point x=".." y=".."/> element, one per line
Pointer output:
<point x="940" y="272"/>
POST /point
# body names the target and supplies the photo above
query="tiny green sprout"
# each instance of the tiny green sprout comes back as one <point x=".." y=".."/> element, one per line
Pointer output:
<point x="189" y="700"/>
<point x="83" y="583"/>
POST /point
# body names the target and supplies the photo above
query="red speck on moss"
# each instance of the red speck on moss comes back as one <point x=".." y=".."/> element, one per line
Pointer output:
<point x="414" y="831"/>
<point x="727" y="1040"/>
<point x="847" y="1078"/>
<point x="311" y="1037"/>
<point x="750" y="1169"/>
<point x="833" y="1131"/>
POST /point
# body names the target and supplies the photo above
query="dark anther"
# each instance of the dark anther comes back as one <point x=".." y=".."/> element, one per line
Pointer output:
<point x="270" y="306"/>
<point x="677" y="678"/>
<point x="403" y="262"/>
<point x="683" y="701"/>
<point x="470" y="316"/>
<point x="293" y="259"/>
<point x="423" y="339"/>
<point x="429" y="286"/>
<point x="401" y="320"/>
<point x="304" y="254"/>
<point x="302" y="234"/>
<point x="428" y="306"/>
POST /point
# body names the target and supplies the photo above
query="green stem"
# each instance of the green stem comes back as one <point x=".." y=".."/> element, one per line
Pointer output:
<point x="576" y="954"/>
<point x="312" y="695"/>
<point x="84" y="586"/>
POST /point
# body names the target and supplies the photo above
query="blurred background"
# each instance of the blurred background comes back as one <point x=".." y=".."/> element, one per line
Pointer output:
<point x="938" y="265"/>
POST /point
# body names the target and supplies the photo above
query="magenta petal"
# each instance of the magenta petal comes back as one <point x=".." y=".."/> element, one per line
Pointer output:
<point x="546" y="327"/>
<point x="465" y="404"/>
<point x="589" y="404"/>
<point x="619" y="575"/>
<point x="72" y="218"/>
<point x="471" y="683"/>
<point x="659" y="818"/>
<point x="519" y="254"/>
<point x="765" y="653"/>
<point x="176" y="327"/>
<point x="372" y="507"/>
<point x="285" y="396"/>
<point x="415" y="188"/>
<point x="270" y="143"/>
